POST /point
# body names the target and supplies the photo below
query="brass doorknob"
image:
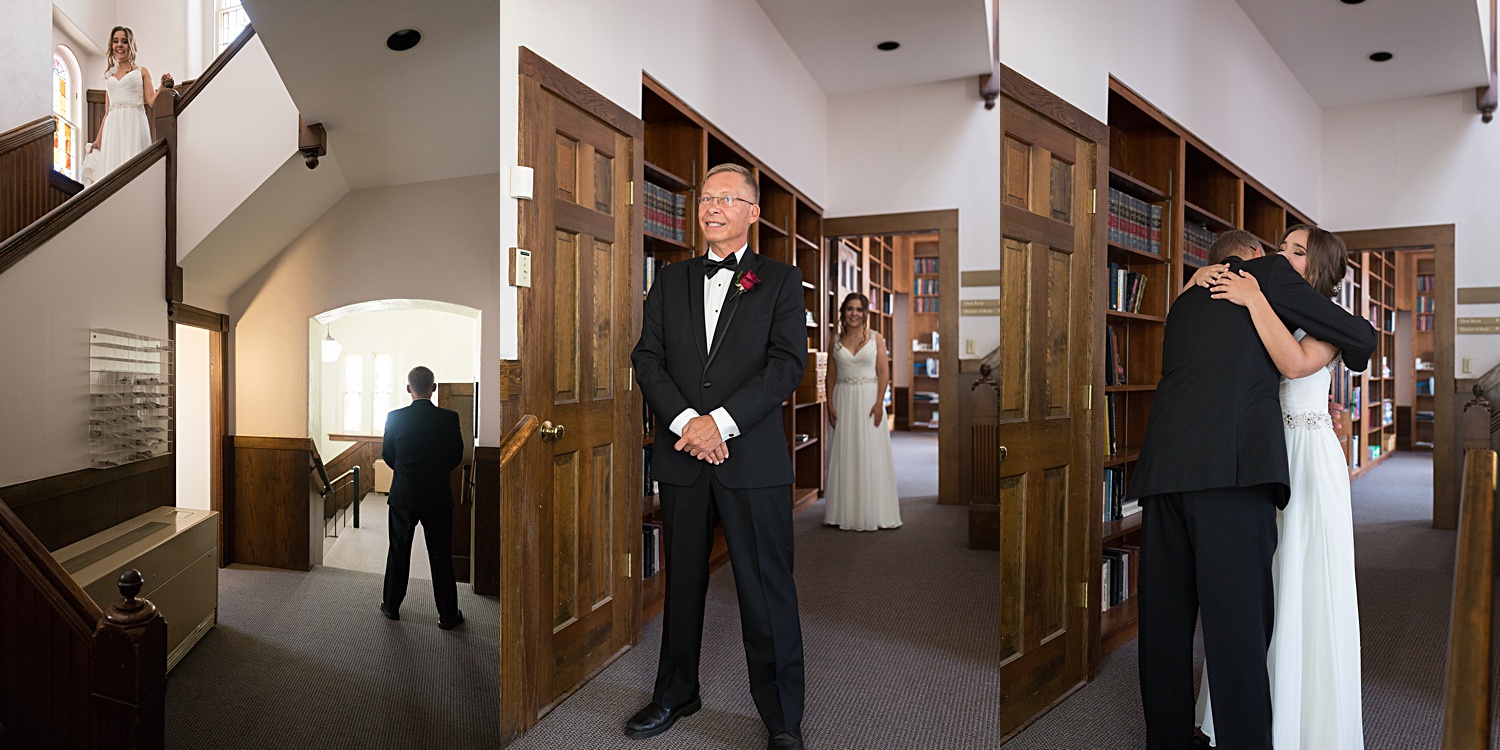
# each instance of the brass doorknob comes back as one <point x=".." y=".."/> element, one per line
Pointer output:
<point x="1003" y="453"/>
<point x="551" y="432"/>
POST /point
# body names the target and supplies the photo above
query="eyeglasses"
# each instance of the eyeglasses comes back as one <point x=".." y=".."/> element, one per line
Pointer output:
<point x="726" y="201"/>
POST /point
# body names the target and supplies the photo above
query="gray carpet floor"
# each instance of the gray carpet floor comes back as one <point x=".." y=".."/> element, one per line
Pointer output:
<point x="1404" y="572"/>
<point x="364" y="548"/>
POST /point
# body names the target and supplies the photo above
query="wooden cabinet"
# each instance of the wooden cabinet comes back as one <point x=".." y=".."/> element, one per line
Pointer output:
<point x="680" y="147"/>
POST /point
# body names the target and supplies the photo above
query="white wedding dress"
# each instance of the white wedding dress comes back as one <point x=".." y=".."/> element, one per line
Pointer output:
<point x="126" y="131"/>
<point x="861" y="493"/>
<point x="1314" y="655"/>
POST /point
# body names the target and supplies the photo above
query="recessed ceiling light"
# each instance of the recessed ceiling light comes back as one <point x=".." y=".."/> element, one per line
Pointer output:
<point x="1381" y="56"/>
<point x="403" y="40"/>
<point x="1352" y="2"/>
<point x="887" y="46"/>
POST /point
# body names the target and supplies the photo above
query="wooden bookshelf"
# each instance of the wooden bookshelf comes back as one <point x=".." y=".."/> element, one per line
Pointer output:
<point x="680" y="146"/>
<point x="1370" y="397"/>
<point x="921" y="400"/>
<point x="1163" y="183"/>
<point x="1416" y="274"/>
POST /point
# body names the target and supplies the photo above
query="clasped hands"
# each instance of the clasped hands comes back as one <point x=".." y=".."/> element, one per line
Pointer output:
<point x="701" y="440"/>
<point x="1240" y="288"/>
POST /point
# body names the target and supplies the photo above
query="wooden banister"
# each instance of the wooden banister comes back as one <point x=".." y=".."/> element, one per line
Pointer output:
<point x="511" y="445"/>
<point x="37" y="564"/>
<point x="214" y="67"/>
<point x="21" y="135"/>
<point x="29" y="186"/>
<point x="1467" y="692"/>
<point x="23" y="243"/>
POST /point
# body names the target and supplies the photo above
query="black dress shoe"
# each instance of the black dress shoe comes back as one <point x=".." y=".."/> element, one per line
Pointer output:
<point x="457" y="620"/>
<point x="390" y="614"/>
<point x="784" y="741"/>
<point x="653" y="719"/>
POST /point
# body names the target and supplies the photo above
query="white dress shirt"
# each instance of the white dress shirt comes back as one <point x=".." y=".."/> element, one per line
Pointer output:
<point x="715" y="291"/>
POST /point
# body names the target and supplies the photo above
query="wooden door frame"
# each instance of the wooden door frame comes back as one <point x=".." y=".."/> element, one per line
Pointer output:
<point x="218" y="394"/>
<point x="524" y="606"/>
<point x="945" y="224"/>
<point x="1447" y="459"/>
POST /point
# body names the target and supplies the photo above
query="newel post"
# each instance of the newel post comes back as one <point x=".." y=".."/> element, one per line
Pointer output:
<point x="167" y="102"/>
<point x="128" y="672"/>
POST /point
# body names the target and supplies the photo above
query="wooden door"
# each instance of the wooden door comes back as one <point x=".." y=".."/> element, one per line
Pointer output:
<point x="1045" y="371"/>
<point x="460" y="398"/>
<point x="577" y="328"/>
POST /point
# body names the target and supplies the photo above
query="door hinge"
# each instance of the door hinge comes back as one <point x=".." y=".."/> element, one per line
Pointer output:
<point x="1083" y="594"/>
<point x="629" y="560"/>
<point x="1093" y="200"/>
<point x="632" y="192"/>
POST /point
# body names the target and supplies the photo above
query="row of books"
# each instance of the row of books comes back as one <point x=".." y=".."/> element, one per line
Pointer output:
<point x="924" y="304"/>
<point x="1116" y="506"/>
<point x="649" y="271"/>
<point x="1126" y="289"/>
<point x="925" y="286"/>
<point x="1426" y="282"/>
<point x="926" y="367"/>
<point x="1196" y="239"/>
<point x="1343" y="382"/>
<point x="666" y="213"/>
<point x="1425" y="322"/>
<point x="926" y="265"/>
<point x="649" y="486"/>
<point x="1114" y="362"/>
<point x="1120" y="575"/>
<point x="1424" y="387"/>
<point x="1111" y="445"/>
<point x="1134" y="223"/>
<point x="1426" y="304"/>
<point x="653" y="553"/>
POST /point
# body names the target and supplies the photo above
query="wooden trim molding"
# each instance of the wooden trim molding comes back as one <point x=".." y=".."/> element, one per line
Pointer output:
<point x="214" y="67"/>
<point x="64" y="183"/>
<point x="18" y="543"/>
<point x="273" y="443"/>
<point x="22" y="244"/>
<point x="21" y="135"/>
<point x="553" y="78"/>
<point x="1023" y="89"/>
<point x="38" y="490"/>
<point x="197" y="317"/>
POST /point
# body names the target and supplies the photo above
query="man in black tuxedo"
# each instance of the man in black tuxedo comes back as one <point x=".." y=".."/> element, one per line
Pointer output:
<point x="723" y="344"/>
<point x="1212" y="473"/>
<point x="423" y="444"/>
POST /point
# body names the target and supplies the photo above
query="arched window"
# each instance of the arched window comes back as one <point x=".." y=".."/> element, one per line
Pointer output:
<point x="64" y="111"/>
<point x="231" y="21"/>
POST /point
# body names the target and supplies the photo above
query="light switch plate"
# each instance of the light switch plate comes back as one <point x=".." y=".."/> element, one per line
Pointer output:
<point x="520" y="267"/>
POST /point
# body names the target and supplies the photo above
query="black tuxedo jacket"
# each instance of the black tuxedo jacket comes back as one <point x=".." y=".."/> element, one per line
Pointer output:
<point x="754" y="362"/>
<point x="1216" y="415"/>
<point x="423" y="444"/>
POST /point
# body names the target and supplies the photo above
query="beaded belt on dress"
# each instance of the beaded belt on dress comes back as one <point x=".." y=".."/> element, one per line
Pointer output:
<point x="1311" y="420"/>
<point x="124" y="105"/>
<point x="856" y="381"/>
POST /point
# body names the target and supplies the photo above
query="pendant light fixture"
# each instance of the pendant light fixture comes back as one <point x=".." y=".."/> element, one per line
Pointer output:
<point x="331" y="348"/>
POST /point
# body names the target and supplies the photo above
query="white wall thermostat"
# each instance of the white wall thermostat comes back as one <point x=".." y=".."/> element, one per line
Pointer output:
<point x="520" y="269"/>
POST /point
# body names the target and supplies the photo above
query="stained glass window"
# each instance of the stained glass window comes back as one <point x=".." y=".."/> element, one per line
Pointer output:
<point x="62" y="111"/>
<point x="232" y="20"/>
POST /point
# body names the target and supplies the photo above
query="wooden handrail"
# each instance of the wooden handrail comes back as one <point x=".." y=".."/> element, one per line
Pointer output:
<point x="215" y="66"/>
<point x="511" y="445"/>
<point x="24" y="242"/>
<point x="66" y="597"/>
<point x="1466" y="700"/>
<point x="21" y="135"/>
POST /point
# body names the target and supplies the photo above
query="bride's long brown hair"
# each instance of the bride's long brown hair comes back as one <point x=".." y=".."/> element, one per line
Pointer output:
<point x="129" y="43"/>
<point x="843" y="328"/>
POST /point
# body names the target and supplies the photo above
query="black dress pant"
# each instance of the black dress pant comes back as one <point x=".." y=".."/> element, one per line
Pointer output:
<point x="437" y="529"/>
<point x="1207" y="551"/>
<point x="758" y="529"/>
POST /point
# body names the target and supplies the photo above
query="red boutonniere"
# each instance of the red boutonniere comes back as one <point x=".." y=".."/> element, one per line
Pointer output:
<point x="746" y="281"/>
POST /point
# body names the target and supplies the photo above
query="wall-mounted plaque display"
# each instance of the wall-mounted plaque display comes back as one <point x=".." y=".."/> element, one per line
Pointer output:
<point x="130" y="394"/>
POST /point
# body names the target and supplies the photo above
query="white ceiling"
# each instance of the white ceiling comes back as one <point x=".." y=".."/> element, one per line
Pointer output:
<point x="1439" y="46"/>
<point x="835" y="39"/>
<point x="429" y="113"/>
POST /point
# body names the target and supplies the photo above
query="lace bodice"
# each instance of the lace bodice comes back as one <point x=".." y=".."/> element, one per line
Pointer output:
<point x="125" y="92"/>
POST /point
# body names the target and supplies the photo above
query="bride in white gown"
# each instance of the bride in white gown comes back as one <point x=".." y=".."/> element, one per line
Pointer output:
<point x="1314" y="658"/>
<point x="861" y="493"/>
<point x="124" y="132"/>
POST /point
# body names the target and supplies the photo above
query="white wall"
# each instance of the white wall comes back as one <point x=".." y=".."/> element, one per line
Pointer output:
<point x="1422" y="161"/>
<point x="430" y="241"/>
<point x="236" y="134"/>
<point x="161" y="35"/>
<point x="193" y="440"/>
<point x="104" y="271"/>
<point x="1203" y="62"/>
<point x="444" y="342"/>
<point x="25" y="61"/>
<point x="770" y="105"/>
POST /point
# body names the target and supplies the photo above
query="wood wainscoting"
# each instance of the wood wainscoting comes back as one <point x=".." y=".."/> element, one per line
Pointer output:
<point x="29" y="186"/>
<point x="273" y="515"/>
<point x="64" y="508"/>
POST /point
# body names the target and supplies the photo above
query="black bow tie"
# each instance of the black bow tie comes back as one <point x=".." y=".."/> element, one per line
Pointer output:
<point x="711" y="267"/>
